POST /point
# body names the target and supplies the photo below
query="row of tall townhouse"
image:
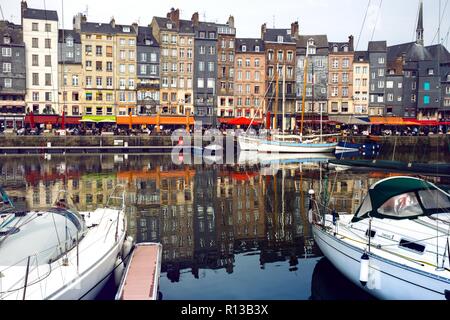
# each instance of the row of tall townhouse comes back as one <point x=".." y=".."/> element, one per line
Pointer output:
<point x="176" y="67"/>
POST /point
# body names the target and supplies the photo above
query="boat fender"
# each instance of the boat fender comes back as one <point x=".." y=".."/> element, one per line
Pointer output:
<point x="118" y="271"/>
<point x="364" y="271"/>
<point x="310" y="211"/>
<point x="127" y="245"/>
<point x="335" y="216"/>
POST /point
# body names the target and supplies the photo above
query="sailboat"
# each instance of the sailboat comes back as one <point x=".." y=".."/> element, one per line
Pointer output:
<point x="396" y="245"/>
<point x="291" y="143"/>
<point x="61" y="254"/>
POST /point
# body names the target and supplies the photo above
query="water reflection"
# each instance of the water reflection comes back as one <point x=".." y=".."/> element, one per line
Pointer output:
<point x="228" y="231"/>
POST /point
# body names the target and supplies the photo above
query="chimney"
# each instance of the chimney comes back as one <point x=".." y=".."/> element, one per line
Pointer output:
<point x="294" y="30"/>
<point x="135" y="27"/>
<point x="113" y="22"/>
<point x="231" y="22"/>
<point x="78" y="20"/>
<point x="174" y="16"/>
<point x="263" y="30"/>
<point x="23" y="7"/>
<point x="194" y="19"/>
<point x="350" y="43"/>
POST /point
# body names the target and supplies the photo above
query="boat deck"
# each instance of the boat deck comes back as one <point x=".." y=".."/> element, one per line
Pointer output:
<point x="141" y="277"/>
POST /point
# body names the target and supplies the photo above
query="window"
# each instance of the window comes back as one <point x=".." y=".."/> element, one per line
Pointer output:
<point x="247" y="62"/>
<point x="48" y="79"/>
<point x="69" y="54"/>
<point x="381" y="72"/>
<point x="334" y="107"/>
<point x="335" y="78"/>
<point x="335" y="63"/>
<point x="389" y="84"/>
<point x="290" y="56"/>
<point x="109" y="66"/>
<point x="8" y="83"/>
<point x="122" y="42"/>
<point x="345" y="77"/>
<point x="143" y="69"/>
<point x="109" y="81"/>
<point x="390" y="97"/>
<point x="88" y="81"/>
<point x="35" y="60"/>
<point x="270" y="55"/>
<point x="247" y="89"/>
<point x="200" y="83"/>
<point x="211" y="83"/>
<point x="99" y="81"/>
<point x="122" y="68"/>
<point x="380" y="84"/>
<point x="35" y="26"/>
<point x="257" y="75"/>
<point x="344" y="91"/>
<point x="239" y="75"/>
<point x="48" y="96"/>
<point x="35" y="96"/>
<point x="202" y="49"/>
<point x="131" y="68"/>
<point x="280" y="39"/>
<point x="413" y="98"/>
<point x="211" y="66"/>
<point x="6" y="52"/>
<point x="426" y="86"/>
<point x="280" y="55"/>
<point x="344" y="106"/>
<point x="98" y="50"/>
<point x="426" y="99"/>
<point x="98" y="66"/>
<point x="48" y="43"/>
<point x="35" y="79"/>
<point x="74" y="80"/>
<point x="345" y="63"/>
<point x="430" y="71"/>
<point x="381" y="60"/>
<point x="35" y="43"/>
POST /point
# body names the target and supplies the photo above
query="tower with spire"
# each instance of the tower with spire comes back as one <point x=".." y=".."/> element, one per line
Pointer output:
<point x="419" y="30"/>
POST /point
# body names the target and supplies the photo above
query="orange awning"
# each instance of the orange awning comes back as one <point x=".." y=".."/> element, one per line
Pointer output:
<point x="139" y="120"/>
<point x="391" y="121"/>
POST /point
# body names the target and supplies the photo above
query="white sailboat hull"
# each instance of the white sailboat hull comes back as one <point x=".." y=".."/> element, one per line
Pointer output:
<point x="293" y="147"/>
<point x="387" y="279"/>
<point x="247" y="143"/>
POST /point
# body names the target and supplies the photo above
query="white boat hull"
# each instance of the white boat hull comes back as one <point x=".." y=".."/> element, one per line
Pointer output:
<point x="247" y="143"/>
<point x="387" y="279"/>
<point x="289" y="147"/>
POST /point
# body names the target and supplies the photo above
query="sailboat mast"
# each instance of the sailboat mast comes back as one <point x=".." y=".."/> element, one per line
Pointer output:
<point x="284" y="98"/>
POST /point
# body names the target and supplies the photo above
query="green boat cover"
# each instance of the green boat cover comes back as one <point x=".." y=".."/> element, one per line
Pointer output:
<point x="403" y="198"/>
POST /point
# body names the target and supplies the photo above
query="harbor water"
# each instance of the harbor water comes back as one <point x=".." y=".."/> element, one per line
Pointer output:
<point x="235" y="231"/>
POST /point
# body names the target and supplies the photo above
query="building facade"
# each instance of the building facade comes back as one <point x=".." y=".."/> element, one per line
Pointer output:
<point x="148" y="81"/>
<point x="70" y="72"/>
<point x="12" y="76"/>
<point x="340" y="89"/>
<point x="316" y="46"/>
<point x="225" y="67"/>
<point x="377" y="59"/>
<point x="205" y="72"/>
<point x="40" y="35"/>
<point x="280" y="50"/>
<point x="361" y="74"/>
<point x="249" y="79"/>
<point x="186" y="68"/>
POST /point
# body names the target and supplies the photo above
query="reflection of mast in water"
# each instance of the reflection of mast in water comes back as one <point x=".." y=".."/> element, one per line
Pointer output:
<point x="282" y="198"/>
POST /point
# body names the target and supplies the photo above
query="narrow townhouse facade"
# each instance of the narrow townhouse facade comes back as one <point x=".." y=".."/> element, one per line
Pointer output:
<point x="12" y="76"/>
<point x="249" y="79"/>
<point x="165" y="31"/>
<point x="316" y="46"/>
<point x="225" y="67"/>
<point x="125" y="71"/>
<point x="280" y="50"/>
<point x="377" y="51"/>
<point x="205" y="72"/>
<point x="70" y="72"/>
<point x="361" y="78"/>
<point x="340" y="89"/>
<point x="186" y="68"/>
<point x="40" y="35"/>
<point x="148" y="81"/>
<point x="97" y="56"/>
<point x="394" y="93"/>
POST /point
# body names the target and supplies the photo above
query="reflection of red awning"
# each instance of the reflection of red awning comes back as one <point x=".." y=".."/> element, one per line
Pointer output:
<point x="242" y="121"/>
<point x="243" y="176"/>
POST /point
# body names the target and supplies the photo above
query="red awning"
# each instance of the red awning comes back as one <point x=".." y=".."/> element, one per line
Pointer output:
<point x="243" y="176"/>
<point x="242" y="121"/>
<point x="44" y="119"/>
<point x="70" y="120"/>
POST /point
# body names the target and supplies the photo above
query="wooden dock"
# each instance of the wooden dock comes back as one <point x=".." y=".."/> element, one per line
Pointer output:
<point x="140" y="280"/>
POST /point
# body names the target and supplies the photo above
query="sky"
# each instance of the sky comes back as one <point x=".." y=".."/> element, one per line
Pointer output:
<point x="391" y="20"/>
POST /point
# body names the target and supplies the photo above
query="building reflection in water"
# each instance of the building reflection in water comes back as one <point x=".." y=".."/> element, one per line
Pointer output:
<point x="204" y="215"/>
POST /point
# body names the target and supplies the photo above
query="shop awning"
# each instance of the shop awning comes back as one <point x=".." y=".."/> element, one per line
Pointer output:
<point x="398" y="121"/>
<point x="163" y="120"/>
<point x="98" y="119"/>
<point x="69" y="120"/>
<point x="350" y="120"/>
<point x="241" y="121"/>
<point x="42" y="119"/>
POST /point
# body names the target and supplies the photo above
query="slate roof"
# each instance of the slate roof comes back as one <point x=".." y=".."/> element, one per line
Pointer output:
<point x="320" y="41"/>
<point x="250" y="43"/>
<point x="271" y="35"/>
<point x="377" y="46"/>
<point x="30" y="13"/>
<point x="186" y="26"/>
<point x="444" y="55"/>
<point x="75" y="35"/>
<point x="145" y="33"/>
<point x="361" y="56"/>
<point x="105" y="28"/>
<point x="12" y="30"/>
<point x="396" y="51"/>
<point x="340" y="46"/>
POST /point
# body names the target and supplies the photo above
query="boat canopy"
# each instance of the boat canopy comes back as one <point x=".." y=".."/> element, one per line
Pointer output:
<point x="42" y="235"/>
<point x="403" y="198"/>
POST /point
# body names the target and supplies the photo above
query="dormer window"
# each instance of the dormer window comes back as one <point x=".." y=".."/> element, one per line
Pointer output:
<point x="6" y="39"/>
<point x="430" y="72"/>
<point x="148" y="42"/>
<point x="311" y="50"/>
<point x="69" y="41"/>
<point x="448" y="77"/>
<point x="256" y="48"/>
<point x="280" y="39"/>
<point x="311" y="42"/>
<point x="335" y="49"/>
<point x="345" y="48"/>
<point x="244" y="48"/>
<point x="126" y="29"/>
<point x="169" y="25"/>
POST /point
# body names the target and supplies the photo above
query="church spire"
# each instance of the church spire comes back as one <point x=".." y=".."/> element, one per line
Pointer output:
<point x="419" y="30"/>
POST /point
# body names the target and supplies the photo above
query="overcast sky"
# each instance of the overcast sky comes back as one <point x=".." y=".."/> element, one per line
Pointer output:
<point x="395" y="21"/>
